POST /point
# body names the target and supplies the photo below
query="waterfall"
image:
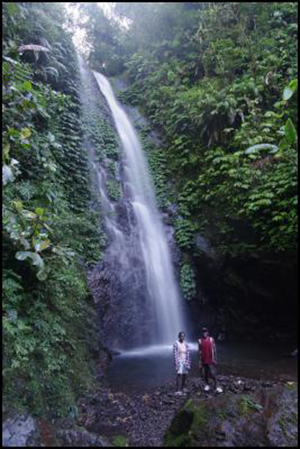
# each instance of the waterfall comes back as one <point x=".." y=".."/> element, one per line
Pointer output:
<point x="139" y="254"/>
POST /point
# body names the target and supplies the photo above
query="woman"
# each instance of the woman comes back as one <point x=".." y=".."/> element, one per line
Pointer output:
<point x="182" y="362"/>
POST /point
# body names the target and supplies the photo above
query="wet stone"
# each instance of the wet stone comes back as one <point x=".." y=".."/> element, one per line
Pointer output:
<point x="18" y="430"/>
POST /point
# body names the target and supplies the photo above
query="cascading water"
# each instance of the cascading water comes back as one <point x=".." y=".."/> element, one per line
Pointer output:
<point x="138" y="255"/>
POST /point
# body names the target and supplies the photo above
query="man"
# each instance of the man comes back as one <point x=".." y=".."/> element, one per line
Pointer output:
<point x="182" y="361"/>
<point x="208" y="359"/>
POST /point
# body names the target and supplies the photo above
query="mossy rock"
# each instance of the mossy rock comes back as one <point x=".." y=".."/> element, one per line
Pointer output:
<point x="186" y="425"/>
<point x="267" y="417"/>
<point x="120" y="441"/>
<point x="246" y="405"/>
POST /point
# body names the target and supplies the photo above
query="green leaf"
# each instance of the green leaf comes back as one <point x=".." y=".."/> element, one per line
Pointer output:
<point x="7" y="174"/>
<point x="27" y="86"/>
<point x="12" y="132"/>
<point x="42" y="275"/>
<point x="40" y="211"/>
<point x="25" y="132"/>
<point x="51" y="137"/>
<point x="287" y="93"/>
<point x="6" y="150"/>
<point x="18" y="205"/>
<point x="57" y="250"/>
<point x="29" y="214"/>
<point x="261" y="146"/>
<point x="12" y="315"/>
<point x="14" y="162"/>
<point x="22" y="255"/>
<point x="294" y="85"/>
<point x="45" y="244"/>
<point x="290" y="132"/>
<point x="52" y="71"/>
<point x="25" y="243"/>
<point x="290" y="89"/>
<point x="12" y="8"/>
<point x="37" y="260"/>
<point x="52" y="167"/>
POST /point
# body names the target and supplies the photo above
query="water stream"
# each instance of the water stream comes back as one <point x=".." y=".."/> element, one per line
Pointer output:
<point x="144" y="298"/>
<point x="162" y="292"/>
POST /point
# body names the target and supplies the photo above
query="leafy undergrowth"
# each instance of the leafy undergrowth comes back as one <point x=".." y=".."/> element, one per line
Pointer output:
<point x="49" y="232"/>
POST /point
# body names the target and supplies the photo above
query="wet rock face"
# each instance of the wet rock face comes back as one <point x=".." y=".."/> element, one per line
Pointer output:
<point x="126" y="217"/>
<point x="245" y="292"/>
<point x="175" y="251"/>
<point x="267" y="417"/>
<point x="24" y="431"/>
<point x="20" y="431"/>
<point x="120" y="300"/>
<point x="205" y="247"/>
<point x="119" y="284"/>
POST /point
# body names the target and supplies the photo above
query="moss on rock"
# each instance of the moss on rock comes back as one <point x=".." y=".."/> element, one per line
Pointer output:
<point x="267" y="417"/>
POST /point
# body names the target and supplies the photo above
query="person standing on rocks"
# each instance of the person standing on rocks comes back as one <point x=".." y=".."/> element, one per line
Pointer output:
<point x="182" y="361"/>
<point x="208" y="359"/>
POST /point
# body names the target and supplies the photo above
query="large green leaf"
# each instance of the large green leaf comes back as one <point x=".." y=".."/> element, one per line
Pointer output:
<point x="29" y="214"/>
<point x="262" y="146"/>
<point x="25" y="132"/>
<point x="7" y="174"/>
<point x="40" y="211"/>
<point x="27" y="86"/>
<point x="290" y="132"/>
<point x="37" y="260"/>
<point x="41" y="246"/>
<point x="287" y="93"/>
<point x="22" y="255"/>
<point x="18" y="205"/>
<point x="294" y="84"/>
<point x="290" y="89"/>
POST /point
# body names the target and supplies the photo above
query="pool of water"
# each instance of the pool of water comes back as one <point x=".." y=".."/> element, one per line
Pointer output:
<point x="146" y="368"/>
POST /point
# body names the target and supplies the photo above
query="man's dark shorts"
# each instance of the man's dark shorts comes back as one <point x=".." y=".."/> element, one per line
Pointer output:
<point x="209" y="370"/>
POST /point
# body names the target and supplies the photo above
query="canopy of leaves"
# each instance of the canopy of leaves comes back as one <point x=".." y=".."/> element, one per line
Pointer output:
<point x="219" y="81"/>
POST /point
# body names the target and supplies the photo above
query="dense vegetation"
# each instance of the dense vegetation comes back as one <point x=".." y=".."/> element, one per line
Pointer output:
<point x="49" y="232"/>
<point x="219" y="82"/>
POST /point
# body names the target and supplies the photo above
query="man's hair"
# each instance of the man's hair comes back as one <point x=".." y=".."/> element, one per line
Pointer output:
<point x="181" y="333"/>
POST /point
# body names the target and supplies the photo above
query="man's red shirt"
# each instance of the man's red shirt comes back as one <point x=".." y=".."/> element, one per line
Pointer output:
<point x="206" y="346"/>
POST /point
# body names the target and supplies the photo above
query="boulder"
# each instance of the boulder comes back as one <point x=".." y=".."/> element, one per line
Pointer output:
<point x="267" y="417"/>
<point x="20" y="430"/>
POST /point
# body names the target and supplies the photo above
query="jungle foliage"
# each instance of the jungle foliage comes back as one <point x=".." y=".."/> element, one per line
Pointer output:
<point x="101" y="138"/>
<point x="49" y="232"/>
<point x="219" y="81"/>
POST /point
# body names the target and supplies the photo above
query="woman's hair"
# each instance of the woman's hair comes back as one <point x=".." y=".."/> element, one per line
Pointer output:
<point x="181" y="333"/>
